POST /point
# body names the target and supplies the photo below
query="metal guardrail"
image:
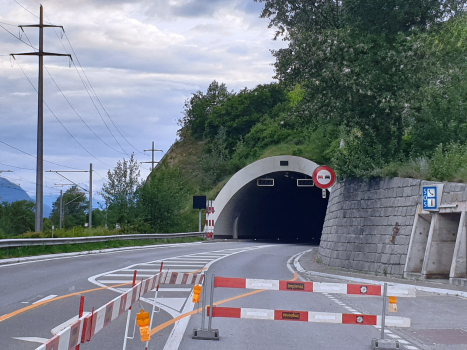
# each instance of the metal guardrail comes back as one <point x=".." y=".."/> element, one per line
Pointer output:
<point x="24" y="242"/>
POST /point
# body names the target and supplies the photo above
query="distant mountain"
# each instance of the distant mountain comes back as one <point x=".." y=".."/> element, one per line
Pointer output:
<point x="10" y="192"/>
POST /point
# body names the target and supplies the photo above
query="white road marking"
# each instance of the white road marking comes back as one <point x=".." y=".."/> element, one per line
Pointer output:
<point x="180" y="326"/>
<point x="114" y="281"/>
<point x="81" y="254"/>
<point x="66" y="324"/>
<point x="176" y="336"/>
<point x="410" y="347"/>
<point x="173" y="303"/>
<point x="162" y="289"/>
<point x="32" y="339"/>
<point x="395" y="336"/>
<point x="46" y="298"/>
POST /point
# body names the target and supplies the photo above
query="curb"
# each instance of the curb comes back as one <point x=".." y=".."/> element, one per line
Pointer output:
<point x="86" y="252"/>
<point x="296" y="265"/>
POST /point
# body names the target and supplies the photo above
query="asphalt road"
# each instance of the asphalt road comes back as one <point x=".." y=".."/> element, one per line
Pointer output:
<point x="23" y="284"/>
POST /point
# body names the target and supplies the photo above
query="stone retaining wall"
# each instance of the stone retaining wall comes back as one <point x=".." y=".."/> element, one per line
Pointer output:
<point x="362" y="217"/>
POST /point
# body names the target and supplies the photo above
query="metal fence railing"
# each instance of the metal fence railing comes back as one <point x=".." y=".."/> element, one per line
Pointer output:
<point x="24" y="242"/>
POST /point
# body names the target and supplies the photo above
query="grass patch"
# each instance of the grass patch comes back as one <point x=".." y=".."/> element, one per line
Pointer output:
<point x="17" y="252"/>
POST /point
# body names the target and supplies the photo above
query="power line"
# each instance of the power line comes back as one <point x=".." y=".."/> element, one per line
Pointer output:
<point x="8" y="24"/>
<point x="26" y="9"/>
<point x="30" y="44"/>
<point x="90" y="85"/>
<point x="76" y="112"/>
<point x="97" y="97"/>
<point x="69" y="133"/>
<point x="86" y="88"/>
<point x="17" y="37"/>
<point x="31" y="155"/>
<point x="17" y="167"/>
<point x="20" y="178"/>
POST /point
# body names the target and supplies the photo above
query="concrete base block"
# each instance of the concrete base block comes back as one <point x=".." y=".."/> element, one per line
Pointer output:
<point x="461" y="282"/>
<point x="205" y="334"/>
<point x="416" y="276"/>
<point x="385" y="344"/>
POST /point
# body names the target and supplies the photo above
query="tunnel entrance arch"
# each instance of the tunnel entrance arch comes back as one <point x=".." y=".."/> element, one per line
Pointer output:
<point x="284" y="211"/>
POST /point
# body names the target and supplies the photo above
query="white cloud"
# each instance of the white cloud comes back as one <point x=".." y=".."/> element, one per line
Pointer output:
<point x="143" y="58"/>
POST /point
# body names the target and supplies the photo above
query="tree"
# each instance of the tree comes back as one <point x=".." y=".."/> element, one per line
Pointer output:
<point x="240" y="112"/>
<point x="376" y="16"/>
<point x="394" y="16"/>
<point x="17" y="217"/>
<point x="199" y="106"/>
<point x="74" y="208"/>
<point x="161" y="199"/>
<point x="120" y="191"/>
<point x="302" y="15"/>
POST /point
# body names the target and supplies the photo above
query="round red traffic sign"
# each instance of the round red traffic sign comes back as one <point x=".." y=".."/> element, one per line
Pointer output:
<point x="324" y="177"/>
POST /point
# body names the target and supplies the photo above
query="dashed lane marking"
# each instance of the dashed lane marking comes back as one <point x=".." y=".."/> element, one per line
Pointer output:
<point x="33" y="306"/>
<point x="172" y="321"/>
<point x="32" y="339"/>
<point x="46" y="298"/>
<point x="386" y="331"/>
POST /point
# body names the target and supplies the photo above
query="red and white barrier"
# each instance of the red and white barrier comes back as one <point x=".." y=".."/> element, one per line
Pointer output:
<point x="86" y="327"/>
<point x="209" y="224"/>
<point x="308" y="316"/>
<point x="317" y="287"/>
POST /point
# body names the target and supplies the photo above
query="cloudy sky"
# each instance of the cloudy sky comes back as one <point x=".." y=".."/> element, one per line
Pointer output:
<point x="142" y="58"/>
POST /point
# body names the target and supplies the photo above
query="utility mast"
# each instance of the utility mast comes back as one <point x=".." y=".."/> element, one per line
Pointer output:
<point x="40" y="118"/>
<point x="152" y="150"/>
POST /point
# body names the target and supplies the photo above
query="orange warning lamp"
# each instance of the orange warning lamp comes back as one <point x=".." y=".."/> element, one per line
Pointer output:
<point x="392" y="307"/>
<point x="143" y="322"/>
<point x="197" y="293"/>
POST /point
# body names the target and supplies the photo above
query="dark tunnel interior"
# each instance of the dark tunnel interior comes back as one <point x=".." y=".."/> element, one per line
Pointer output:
<point x="283" y="212"/>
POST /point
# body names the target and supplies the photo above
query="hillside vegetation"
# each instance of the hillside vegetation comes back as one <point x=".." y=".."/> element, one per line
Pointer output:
<point x="373" y="89"/>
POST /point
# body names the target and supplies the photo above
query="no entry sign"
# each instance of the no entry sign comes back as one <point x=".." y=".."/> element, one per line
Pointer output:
<point x="324" y="177"/>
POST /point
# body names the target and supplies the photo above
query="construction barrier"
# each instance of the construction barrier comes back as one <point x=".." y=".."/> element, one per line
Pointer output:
<point x="304" y="316"/>
<point x="307" y="316"/>
<point x="316" y="287"/>
<point x="87" y="326"/>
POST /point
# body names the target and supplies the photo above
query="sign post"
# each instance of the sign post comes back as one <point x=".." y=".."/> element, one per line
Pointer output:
<point x="324" y="177"/>
<point x="199" y="202"/>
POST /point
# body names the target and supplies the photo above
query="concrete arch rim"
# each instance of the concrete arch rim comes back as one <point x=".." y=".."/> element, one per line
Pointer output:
<point x="257" y="169"/>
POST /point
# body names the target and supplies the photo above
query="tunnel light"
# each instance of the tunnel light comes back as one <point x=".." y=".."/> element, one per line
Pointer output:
<point x="265" y="182"/>
<point x="305" y="183"/>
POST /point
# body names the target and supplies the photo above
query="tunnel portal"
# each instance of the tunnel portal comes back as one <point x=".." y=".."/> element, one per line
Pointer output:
<point x="282" y="211"/>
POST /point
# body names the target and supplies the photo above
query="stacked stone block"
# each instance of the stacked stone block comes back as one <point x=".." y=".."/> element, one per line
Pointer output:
<point x="360" y="221"/>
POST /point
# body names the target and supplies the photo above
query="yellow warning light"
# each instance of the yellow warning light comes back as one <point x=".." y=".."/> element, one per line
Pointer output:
<point x="392" y="307"/>
<point x="143" y="321"/>
<point x="197" y="293"/>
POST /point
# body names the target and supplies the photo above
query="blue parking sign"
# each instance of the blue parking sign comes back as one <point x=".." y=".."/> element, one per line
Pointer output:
<point x="430" y="198"/>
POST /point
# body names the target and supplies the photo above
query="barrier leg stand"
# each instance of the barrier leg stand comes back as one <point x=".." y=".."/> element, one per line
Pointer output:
<point x="203" y="311"/>
<point x="153" y="310"/>
<point x="128" y="316"/>
<point x="207" y="334"/>
<point x="384" y="343"/>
